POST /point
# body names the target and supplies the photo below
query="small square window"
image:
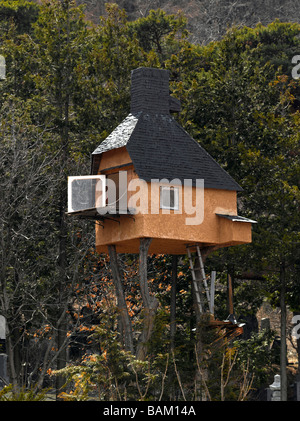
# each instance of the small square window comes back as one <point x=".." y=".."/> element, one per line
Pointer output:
<point x="169" y="198"/>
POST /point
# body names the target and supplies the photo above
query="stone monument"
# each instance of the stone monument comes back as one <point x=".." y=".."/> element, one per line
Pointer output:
<point x="275" y="388"/>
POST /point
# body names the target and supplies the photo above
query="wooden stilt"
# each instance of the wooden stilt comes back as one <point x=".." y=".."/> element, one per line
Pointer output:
<point x="150" y="303"/>
<point x="230" y="295"/>
<point x="212" y="292"/>
<point x="126" y="327"/>
<point x="173" y="303"/>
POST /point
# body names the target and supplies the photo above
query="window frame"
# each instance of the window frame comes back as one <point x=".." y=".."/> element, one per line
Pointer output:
<point x="176" y="198"/>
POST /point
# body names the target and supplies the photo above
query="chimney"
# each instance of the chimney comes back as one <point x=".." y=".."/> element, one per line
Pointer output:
<point x="150" y="91"/>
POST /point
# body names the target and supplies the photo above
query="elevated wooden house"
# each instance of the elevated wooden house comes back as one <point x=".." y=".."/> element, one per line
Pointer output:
<point x="150" y="146"/>
<point x="169" y="195"/>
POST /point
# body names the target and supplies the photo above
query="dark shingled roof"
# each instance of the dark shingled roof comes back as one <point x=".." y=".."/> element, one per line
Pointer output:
<point x="158" y="146"/>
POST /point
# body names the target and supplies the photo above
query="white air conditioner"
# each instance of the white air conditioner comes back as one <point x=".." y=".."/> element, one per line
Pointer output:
<point x="86" y="192"/>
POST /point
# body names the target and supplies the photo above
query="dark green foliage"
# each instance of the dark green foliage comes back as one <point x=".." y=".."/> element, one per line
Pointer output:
<point x="158" y="30"/>
<point x="256" y="353"/>
<point x="20" y="13"/>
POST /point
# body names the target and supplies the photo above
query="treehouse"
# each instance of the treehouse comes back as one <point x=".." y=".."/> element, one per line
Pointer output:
<point x="154" y="190"/>
<point x="157" y="182"/>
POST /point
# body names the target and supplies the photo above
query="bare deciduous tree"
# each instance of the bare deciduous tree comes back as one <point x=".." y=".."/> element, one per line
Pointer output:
<point x="30" y="293"/>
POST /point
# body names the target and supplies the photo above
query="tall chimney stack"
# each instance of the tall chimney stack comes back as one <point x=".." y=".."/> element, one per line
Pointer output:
<point x="150" y="91"/>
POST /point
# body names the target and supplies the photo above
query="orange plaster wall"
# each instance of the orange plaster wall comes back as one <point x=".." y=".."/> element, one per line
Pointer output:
<point x="114" y="158"/>
<point x="174" y="225"/>
<point x="169" y="231"/>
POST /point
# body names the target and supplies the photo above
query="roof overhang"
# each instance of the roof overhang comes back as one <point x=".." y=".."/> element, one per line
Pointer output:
<point x="102" y="213"/>
<point x="236" y="218"/>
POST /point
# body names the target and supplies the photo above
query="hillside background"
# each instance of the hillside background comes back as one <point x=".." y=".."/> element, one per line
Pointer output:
<point x="207" y="19"/>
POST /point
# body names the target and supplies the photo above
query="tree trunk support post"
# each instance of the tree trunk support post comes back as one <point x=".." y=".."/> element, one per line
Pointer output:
<point x="150" y="302"/>
<point x="173" y="303"/>
<point x="230" y="294"/>
<point x="126" y="327"/>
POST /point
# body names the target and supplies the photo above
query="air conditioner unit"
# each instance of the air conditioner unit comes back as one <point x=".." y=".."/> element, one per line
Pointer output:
<point x="86" y="192"/>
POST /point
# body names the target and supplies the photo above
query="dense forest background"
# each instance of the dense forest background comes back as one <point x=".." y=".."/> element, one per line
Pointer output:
<point x="208" y="20"/>
<point x="66" y="88"/>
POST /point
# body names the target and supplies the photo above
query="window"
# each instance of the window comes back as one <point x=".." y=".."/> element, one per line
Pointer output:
<point x="169" y="198"/>
<point x="85" y="192"/>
